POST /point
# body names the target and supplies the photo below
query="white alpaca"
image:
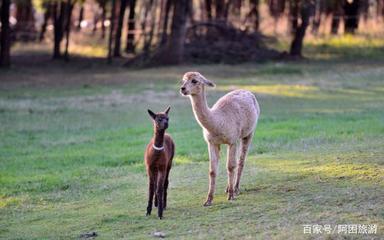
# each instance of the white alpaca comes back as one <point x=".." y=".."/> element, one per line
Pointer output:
<point x="232" y="118"/>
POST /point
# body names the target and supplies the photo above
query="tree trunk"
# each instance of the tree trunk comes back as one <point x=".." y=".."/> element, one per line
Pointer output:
<point x="148" y="37"/>
<point x="81" y="17"/>
<point x="174" y="49"/>
<point x="123" y="6"/>
<point x="5" y="43"/>
<point x="130" y="46"/>
<point x="220" y="9"/>
<point x="351" y="16"/>
<point x="317" y="18"/>
<point x="382" y="8"/>
<point x="58" y="15"/>
<point x="96" y="18"/>
<point x="276" y="9"/>
<point x="103" y="17"/>
<point x="208" y="8"/>
<point x="68" y="27"/>
<point x="25" y="26"/>
<point x="255" y="14"/>
<point x="112" y="28"/>
<point x="47" y="16"/>
<point x="164" y="33"/>
<point x="227" y="6"/>
<point x="379" y="9"/>
<point x="294" y="14"/>
<point x="297" y="43"/>
<point x="336" y="16"/>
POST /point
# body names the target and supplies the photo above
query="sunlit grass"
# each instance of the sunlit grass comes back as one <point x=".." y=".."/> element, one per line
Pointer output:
<point x="276" y="90"/>
<point x="327" y="47"/>
<point x="82" y="46"/>
<point x="9" y="202"/>
<point x="349" y="41"/>
<point x="88" y="51"/>
<point x="345" y="46"/>
<point x="333" y="169"/>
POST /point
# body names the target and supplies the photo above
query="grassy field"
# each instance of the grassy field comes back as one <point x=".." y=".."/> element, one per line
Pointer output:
<point x="73" y="137"/>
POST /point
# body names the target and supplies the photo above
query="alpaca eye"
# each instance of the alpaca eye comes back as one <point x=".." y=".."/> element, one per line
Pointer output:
<point x="194" y="81"/>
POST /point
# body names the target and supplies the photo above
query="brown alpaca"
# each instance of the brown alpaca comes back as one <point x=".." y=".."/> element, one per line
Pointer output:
<point x="158" y="161"/>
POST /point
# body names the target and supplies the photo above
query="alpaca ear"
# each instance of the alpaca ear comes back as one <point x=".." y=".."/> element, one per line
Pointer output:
<point x="152" y="114"/>
<point x="167" y="110"/>
<point x="208" y="82"/>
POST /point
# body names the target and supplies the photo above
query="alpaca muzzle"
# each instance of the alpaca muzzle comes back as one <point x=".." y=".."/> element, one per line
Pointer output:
<point x="183" y="91"/>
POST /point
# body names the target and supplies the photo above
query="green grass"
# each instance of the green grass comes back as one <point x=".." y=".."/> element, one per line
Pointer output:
<point x="340" y="48"/>
<point x="72" y="142"/>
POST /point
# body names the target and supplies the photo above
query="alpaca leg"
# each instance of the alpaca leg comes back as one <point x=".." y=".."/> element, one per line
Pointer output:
<point x="160" y="194"/>
<point x="156" y="202"/>
<point x="231" y="165"/>
<point x="214" y="151"/>
<point x="151" y="191"/>
<point x="166" y="183"/>
<point x="165" y="194"/>
<point x="155" y="177"/>
<point x="243" y="154"/>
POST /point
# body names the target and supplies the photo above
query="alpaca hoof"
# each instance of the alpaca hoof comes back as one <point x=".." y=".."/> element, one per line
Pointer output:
<point x="237" y="191"/>
<point x="148" y="213"/>
<point x="207" y="203"/>
<point x="231" y="196"/>
<point x="160" y="217"/>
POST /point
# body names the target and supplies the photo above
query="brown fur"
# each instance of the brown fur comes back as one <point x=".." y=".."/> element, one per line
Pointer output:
<point x="158" y="163"/>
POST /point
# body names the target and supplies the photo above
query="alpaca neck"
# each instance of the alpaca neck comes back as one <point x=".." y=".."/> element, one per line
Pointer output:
<point x="202" y="113"/>
<point x="159" y="138"/>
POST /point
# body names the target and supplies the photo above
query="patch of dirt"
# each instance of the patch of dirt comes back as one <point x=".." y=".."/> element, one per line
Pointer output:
<point x="89" y="235"/>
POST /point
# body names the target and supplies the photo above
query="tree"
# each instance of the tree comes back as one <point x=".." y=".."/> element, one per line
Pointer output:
<point x="123" y="6"/>
<point x="112" y="28"/>
<point x="351" y="15"/>
<point x="103" y="6"/>
<point x="25" y="26"/>
<point x="68" y="22"/>
<point x="318" y="11"/>
<point x="47" y="6"/>
<point x="58" y="23"/>
<point x="294" y="14"/>
<point x="276" y="9"/>
<point x="81" y="15"/>
<point x="167" y="9"/>
<point x="208" y="8"/>
<point x="172" y="52"/>
<point x="5" y="43"/>
<point x="220" y="7"/>
<point x="297" y="43"/>
<point x="254" y="12"/>
<point x="148" y="14"/>
<point x="130" y="46"/>
<point x="336" y="16"/>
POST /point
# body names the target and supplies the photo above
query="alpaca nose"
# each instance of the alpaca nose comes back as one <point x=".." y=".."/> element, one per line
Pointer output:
<point x="182" y="89"/>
